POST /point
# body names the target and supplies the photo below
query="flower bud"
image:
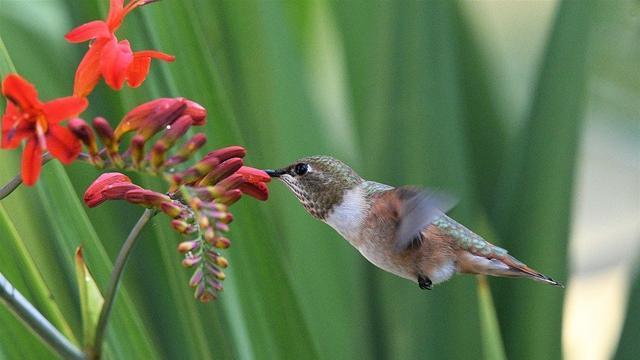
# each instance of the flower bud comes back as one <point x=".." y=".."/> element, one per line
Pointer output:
<point x="195" y="172"/>
<point x="118" y="191"/>
<point x="196" y="278"/>
<point x="182" y="227"/>
<point x="93" y="196"/>
<point x="83" y="132"/>
<point x="171" y="209"/>
<point x="230" y="182"/>
<point x="230" y="197"/>
<point x="222" y="262"/>
<point x="196" y="111"/>
<point x="189" y="261"/>
<point x="185" y="152"/>
<point x="203" y="221"/>
<point x="221" y="171"/>
<point x="221" y="243"/>
<point x="137" y="150"/>
<point x="214" y="284"/>
<point x="176" y="130"/>
<point x="206" y="296"/>
<point x="215" y="272"/>
<point x="209" y="235"/>
<point x="199" y="291"/>
<point x="150" y="117"/>
<point x="222" y="226"/>
<point x="252" y="175"/>
<point x="227" y="153"/>
<point x="257" y="190"/>
<point x="158" y="153"/>
<point x="146" y="197"/>
<point x="105" y="133"/>
<point x="187" y="246"/>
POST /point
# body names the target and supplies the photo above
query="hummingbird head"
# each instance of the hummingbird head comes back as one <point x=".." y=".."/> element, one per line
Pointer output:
<point x="319" y="182"/>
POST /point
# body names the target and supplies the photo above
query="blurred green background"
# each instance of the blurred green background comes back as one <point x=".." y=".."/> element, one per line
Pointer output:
<point x="526" y="110"/>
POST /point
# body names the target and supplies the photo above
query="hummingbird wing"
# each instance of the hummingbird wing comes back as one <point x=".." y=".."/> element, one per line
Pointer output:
<point x="416" y="209"/>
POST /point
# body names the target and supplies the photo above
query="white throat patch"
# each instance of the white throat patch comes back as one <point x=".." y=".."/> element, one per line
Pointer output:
<point x="347" y="217"/>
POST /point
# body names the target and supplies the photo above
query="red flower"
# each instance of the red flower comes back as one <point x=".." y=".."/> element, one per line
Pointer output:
<point x="113" y="60"/>
<point x="39" y="123"/>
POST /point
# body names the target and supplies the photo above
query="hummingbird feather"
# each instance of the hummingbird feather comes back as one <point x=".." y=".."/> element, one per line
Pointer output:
<point x="416" y="210"/>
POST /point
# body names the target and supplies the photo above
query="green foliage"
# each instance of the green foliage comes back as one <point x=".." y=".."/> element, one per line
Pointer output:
<point x="400" y="90"/>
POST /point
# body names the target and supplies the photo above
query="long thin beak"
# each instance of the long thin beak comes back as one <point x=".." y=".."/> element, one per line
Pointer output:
<point x="274" y="173"/>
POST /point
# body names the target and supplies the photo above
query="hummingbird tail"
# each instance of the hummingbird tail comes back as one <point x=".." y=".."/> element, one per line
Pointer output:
<point x="503" y="265"/>
<point x="518" y="269"/>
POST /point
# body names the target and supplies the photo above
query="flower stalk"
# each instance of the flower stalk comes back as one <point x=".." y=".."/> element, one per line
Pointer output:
<point x="114" y="281"/>
<point x="37" y="322"/>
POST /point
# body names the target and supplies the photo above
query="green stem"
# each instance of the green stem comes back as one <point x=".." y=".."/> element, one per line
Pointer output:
<point x="13" y="184"/>
<point x="17" y="180"/>
<point x="114" y="280"/>
<point x="37" y="322"/>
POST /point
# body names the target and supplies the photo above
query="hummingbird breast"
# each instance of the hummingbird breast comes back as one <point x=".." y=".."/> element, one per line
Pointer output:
<point x="370" y="233"/>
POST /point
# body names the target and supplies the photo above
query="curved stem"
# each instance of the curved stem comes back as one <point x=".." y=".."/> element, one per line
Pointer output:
<point x="17" y="180"/>
<point x="37" y="322"/>
<point x="13" y="184"/>
<point x="114" y="280"/>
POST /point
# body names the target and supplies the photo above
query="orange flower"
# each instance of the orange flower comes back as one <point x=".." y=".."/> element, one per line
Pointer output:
<point x="107" y="58"/>
<point x="39" y="123"/>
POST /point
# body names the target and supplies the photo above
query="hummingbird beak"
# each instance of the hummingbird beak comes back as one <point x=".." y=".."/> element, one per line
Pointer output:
<point x="274" y="173"/>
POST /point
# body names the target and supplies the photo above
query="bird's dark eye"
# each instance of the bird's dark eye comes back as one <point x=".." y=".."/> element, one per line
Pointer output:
<point x="301" y="169"/>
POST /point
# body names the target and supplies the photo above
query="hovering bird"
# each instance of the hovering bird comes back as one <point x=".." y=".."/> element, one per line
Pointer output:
<point x="401" y="230"/>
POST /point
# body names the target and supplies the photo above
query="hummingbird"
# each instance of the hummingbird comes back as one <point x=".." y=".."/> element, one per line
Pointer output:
<point x="402" y="230"/>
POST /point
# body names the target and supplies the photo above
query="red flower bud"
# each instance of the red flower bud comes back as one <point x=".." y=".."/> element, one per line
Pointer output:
<point x="185" y="152"/>
<point x="155" y="115"/>
<point x="94" y="195"/>
<point x="137" y="150"/>
<point x="230" y="197"/>
<point x="83" y="132"/>
<point x="231" y="182"/>
<point x="176" y="130"/>
<point x="197" y="112"/>
<point x="105" y="133"/>
<point x="146" y="197"/>
<point x="252" y="175"/>
<point x="221" y="171"/>
<point x="227" y="153"/>
<point x="258" y="190"/>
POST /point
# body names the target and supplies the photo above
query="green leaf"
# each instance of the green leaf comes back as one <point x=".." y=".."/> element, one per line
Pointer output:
<point x="491" y="339"/>
<point x="534" y="206"/>
<point x="91" y="299"/>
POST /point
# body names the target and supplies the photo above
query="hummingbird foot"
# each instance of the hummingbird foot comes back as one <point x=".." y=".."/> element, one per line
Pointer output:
<point x="424" y="282"/>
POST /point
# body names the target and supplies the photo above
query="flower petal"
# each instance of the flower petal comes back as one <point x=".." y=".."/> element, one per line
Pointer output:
<point x="88" y="31"/>
<point x="20" y="91"/>
<point x="114" y="62"/>
<point x="62" y="143"/>
<point x="88" y="73"/>
<point x="116" y="14"/>
<point x="138" y="70"/>
<point x="155" y="55"/>
<point x="63" y="108"/>
<point x="12" y="135"/>
<point x="31" y="162"/>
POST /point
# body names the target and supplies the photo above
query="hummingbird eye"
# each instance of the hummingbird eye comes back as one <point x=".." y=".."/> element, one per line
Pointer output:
<point x="301" y="169"/>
